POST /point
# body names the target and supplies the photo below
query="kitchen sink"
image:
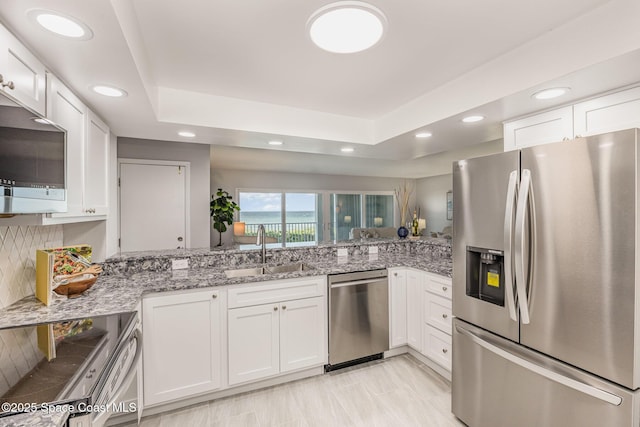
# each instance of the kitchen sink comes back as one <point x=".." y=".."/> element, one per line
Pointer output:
<point x="244" y="272"/>
<point x="288" y="268"/>
<point x="269" y="269"/>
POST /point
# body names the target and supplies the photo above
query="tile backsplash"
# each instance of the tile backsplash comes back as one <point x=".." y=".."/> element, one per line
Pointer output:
<point x="18" y="246"/>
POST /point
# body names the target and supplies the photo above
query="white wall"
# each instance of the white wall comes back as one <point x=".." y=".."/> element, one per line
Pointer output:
<point x="231" y="180"/>
<point x="431" y="194"/>
<point x="198" y="156"/>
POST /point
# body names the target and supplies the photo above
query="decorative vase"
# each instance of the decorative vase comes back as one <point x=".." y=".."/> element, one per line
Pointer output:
<point x="403" y="232"/>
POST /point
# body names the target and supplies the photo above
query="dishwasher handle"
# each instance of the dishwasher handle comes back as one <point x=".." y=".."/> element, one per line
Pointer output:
<point x="357" y="282"/>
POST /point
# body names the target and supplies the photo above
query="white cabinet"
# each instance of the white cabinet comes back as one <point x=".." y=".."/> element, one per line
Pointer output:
<point x="608" y="113"/>
<point x="436" y="329"/>
<point x="87" y="154"/>
<point x="278" y="327"/>
<point x="23" y="75"/>
<point x="182" y="344"/>
<point x="96" y="166"/>
<point x="397" y="307"/>
<point x="551" y="126"/>
<point x="617" y="111"/>
<point x="415" y="281"/>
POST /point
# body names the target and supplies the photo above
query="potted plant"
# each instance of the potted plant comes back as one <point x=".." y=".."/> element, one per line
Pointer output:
<point x="222" y="210"/>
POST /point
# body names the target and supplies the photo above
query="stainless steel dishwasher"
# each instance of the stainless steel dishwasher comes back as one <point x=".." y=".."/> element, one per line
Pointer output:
<point x="358" y="317"/>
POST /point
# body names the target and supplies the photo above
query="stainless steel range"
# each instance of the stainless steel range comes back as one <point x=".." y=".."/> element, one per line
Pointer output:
<point x="83" y="364"/>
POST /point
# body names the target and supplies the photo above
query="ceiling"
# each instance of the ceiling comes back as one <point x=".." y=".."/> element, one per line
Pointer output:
<point x="239" y="74"/>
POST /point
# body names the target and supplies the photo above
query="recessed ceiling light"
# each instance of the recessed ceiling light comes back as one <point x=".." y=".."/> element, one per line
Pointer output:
<point x="60" y="24"/>
<point x="110" y="91"/>
<point x="346" y="26"/>
<point x="187" y="134"/>
<point x="551" y="93"/>
<point x="473" y="119"/>
<point x="423" y="135"/>
<point x="347" y="150"/>
<point x="275" y="142"/>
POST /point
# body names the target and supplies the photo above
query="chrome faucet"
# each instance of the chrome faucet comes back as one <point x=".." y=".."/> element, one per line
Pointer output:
<point x="262" y="240"/>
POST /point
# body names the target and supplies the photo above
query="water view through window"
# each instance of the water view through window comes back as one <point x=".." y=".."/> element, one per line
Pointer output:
<point x="288" y="217"/>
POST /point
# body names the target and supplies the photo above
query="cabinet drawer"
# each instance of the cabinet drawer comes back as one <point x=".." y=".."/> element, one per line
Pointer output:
<point x="277" y="291"/>
<point x="437" y="312"/>
<point x="439" y="285"/>
<point x="437" y="346"/>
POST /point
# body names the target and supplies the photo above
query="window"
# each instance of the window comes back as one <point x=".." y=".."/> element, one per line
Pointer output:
<point x="307" y="218"/>
<point x="289" y="218"/>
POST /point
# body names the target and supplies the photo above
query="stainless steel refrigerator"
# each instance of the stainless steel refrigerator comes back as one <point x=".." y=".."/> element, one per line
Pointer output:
<point x="546" y="293"/>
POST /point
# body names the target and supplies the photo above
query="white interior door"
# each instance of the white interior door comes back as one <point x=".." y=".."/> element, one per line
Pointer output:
<point x="153" y="205"/>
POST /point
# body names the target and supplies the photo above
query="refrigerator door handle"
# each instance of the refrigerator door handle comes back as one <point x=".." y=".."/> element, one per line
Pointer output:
<point x="521" y="215"/>
<point x="512" y="194"/>
<point x="550" y="375"/>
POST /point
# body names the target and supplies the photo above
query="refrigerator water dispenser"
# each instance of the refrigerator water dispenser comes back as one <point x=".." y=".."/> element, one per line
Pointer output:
<point x="485" y="278"/>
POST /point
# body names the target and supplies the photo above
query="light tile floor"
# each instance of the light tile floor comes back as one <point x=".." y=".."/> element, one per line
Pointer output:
<point x="399" y="391"/>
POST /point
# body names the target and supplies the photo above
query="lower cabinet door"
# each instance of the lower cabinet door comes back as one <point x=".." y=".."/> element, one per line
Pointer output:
<point x="437" y="346"/>
<point x="253" y="342"/>
<point x="303" y="334"/>
<point x="414" y="309"/>
<point x="181" y="345"/>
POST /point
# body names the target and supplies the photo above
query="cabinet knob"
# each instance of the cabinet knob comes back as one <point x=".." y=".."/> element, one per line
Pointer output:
<point x="275" y="308"/>
<point x="444" y="288"/>
<point x="10" y="85"/>
<point x="180" y="239"/>
<point x="214" y="296"/>
<point x="284" y="307"/>
<point x="444" y="350"/>
<point x="395" y="274"/>
<point x="444" y="316"/>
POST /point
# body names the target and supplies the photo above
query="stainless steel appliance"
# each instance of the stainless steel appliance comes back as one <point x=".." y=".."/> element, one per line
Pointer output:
<point x="32" y="164"/>
<point x="358" y="317"/>
<point x="546" y="294"/>
<point x="84" y="364"/>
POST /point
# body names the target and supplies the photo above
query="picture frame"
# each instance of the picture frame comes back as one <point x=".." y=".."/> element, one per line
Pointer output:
<point x="449" y="205"/>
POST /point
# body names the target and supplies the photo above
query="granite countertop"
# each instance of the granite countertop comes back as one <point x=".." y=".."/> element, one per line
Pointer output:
<point x="38" y="418"/>
<point x="121" y="293"/>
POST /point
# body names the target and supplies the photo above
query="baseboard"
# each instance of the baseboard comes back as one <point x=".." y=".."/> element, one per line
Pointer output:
<point x="281" y="379"/>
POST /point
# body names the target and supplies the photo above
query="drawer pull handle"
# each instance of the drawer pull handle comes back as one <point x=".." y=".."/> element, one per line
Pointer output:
<point x="444" y="350"/>
<point x="444" y="316"/>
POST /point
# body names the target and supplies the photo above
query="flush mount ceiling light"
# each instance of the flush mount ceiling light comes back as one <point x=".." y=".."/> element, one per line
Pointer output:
<point x="423" y="135"/>
<point x="187" y="134"/>
<point x="275" y="143"/>
<point x="347" y="150"/>
<point x="60" y="24"/>
<point x="550" y="93"/>
<point x="473" y="119"/>
<point x="346" y="26"/>
<point x="110" y="91"/>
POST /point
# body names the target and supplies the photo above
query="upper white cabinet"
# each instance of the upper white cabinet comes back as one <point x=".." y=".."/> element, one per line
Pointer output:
<point x="23" y="75"/>
<point x="66" y="110"/>
<point x="96" y="165"/>
<point x="182" y="345"/>
<point x="87" y="154"/>
<point x="607" y="113"/>
<point x="276" y="327"/>
<point x="618" y="111"/>
<point x="543" y="128"/>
